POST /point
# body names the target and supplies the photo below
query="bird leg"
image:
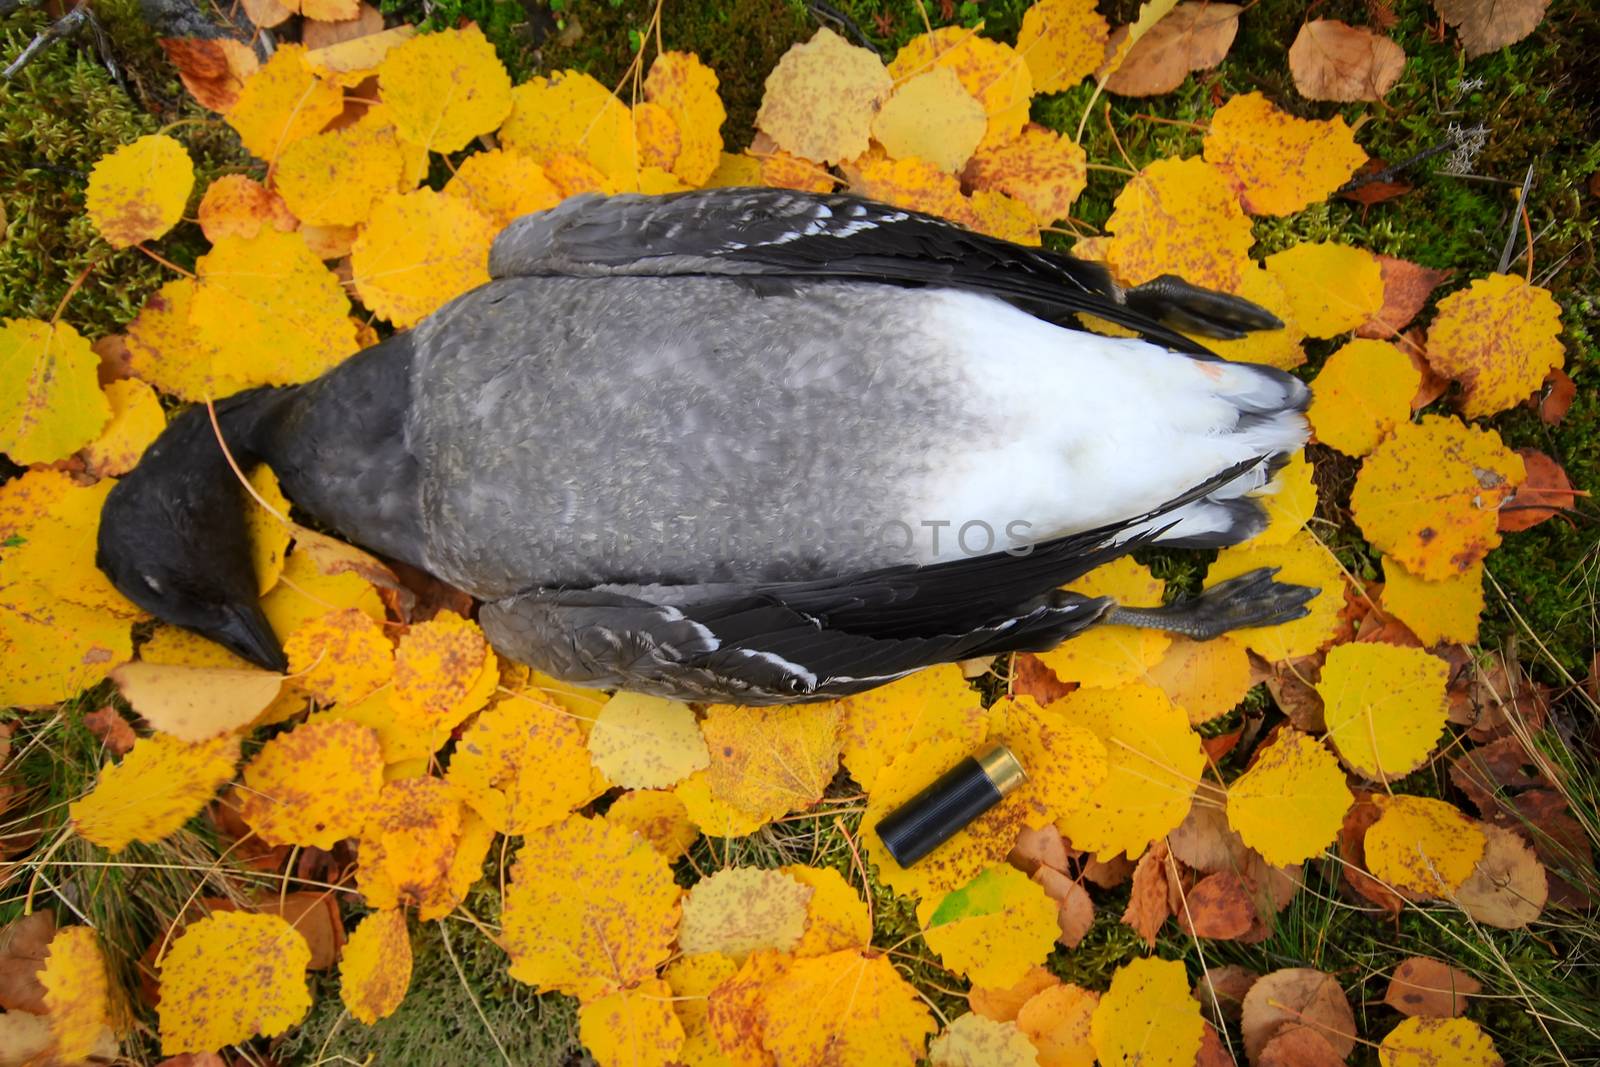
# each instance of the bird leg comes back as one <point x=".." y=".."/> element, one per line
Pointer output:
<point x="1252" y="599"/>
<point x="1182" y="306"/>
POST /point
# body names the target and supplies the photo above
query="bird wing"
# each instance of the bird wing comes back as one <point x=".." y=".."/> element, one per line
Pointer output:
<point x="775" y="234"/>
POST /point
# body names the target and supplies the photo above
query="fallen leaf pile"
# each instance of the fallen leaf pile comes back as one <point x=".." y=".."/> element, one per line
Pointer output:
<point x="398" y="737"/>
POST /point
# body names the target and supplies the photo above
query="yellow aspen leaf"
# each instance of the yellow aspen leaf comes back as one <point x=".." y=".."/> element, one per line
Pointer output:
<point x="770" y="761"/>
<point x="235" y="205"/>
<point x="77" y="994"/>
<point x="734" y="170"/>
<point x="656" y="815"/>
<point x="657" y="134"/>
<point x="613" y="934"/>
<point x="522" y="764"/>
<point x="1057" y="1020"/>
<point x="375" y="967"/>
<point x="1281" y="163"/>
<point x="692" y="980"/>
<point x="1362" y="393"/>
<point x="973" y="1041"/>
<point x="229" y="977"/>
<point x="849" y="1009"/>
<point x="1207" y="679"/>
<point x="992" y="72"/>
<point x="1002" y="216"/>
<point x="267" y="13"/>
<point x="1108" y="656"/>
<point x="419" y="251"/>
<point x="281" y="103"/>
<point x="48" y="533"/>
<point x="1040" y="167"/>
<point x="503" y="186"/>
<point x="351" y="62"/>
<point x="570" y="113"/>
<point x="335" y="178"/>
<point x="177" y="647"/>
<point x="984" y="843"/>
<point x="1332" y="288"/>
<point x="379" y="120"/>
<point x="1062" y="42"/>
<point x="1064" y="762"/>
<point x="270" y="310"/>
<point x="50" y="399"/>
<point x="740" y="910"/>
<point x="1276" y="348"/>
<point x="1508" y="887"/>
<point x="1291" y="802"/>
<point x="634" y="1027"/>
<point x="653" y="181"/>
<point x="1166" y="44"/>
<point x="1429" y="496"/>
<point x="687" y="90"/>
<point x="836" y="916"/>
<point x="167" y="351"/>
<point x="328" y="10"/>
<point x="912" y="183"/>
<point x="1445" y="610"/>
<point x="444" y="670"/>
<point x="160" y="784"/>
<point x="1499" y="337"/>
<point x="418" y="847"/>
<point x="1153" y="764"/>
<point x="306" y="593"/>
<point x="1423" y="845"/>
<point x="714" y="817"/>
<point x="1004" y="1005"/>
<point x="1385" y="706"/>
<point x="136" y="421"/>
<point x="781" y="170"/>
<point x="196" y="703"/>
<point x="445" y="88"/>
<point x="734" y="1011"/>
<point x="267" y="527"/>
<point x="820" y="99"/>
<point x="341" y="657"/>
<point x="881" y="724"/>
<point x="1147" y="1017"/>
<point x="993" y="929"/>
<point x="646" y="742"/>
<point x="1424" y="1042"/>
<point x="1180" y="216"/>
<point x="931" y="116"/>
<point x="138" y="192"/>
<point x="1289" y="504"/>
<point x="314" y="785"/>
<point x="1302" y="560"/>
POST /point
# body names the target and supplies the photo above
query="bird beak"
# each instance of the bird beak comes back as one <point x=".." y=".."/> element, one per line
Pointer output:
<point x="246" y="632"/>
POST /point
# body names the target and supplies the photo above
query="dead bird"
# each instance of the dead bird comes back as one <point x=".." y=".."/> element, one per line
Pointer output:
<point x="749" y="445"/>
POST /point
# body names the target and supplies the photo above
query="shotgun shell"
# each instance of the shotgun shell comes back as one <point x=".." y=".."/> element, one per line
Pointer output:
<point x="961" y="794"/>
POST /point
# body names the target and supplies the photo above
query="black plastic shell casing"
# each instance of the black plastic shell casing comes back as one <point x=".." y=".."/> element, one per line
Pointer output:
<point x="959" y="796"/>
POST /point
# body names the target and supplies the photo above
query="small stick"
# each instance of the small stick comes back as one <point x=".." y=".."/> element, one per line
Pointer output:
<point x="65" y="26"/>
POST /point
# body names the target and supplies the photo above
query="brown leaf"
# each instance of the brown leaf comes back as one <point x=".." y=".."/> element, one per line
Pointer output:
<point x="1352" y="850"/>
<point x="1509" y="887"/>
<point x="1433" y="385"/>
<point x="315" y="34"/>
<point x="1293" y="685"/>
<point x="1036" y="848"/>
<point x="266" y="13"/>
<point x="1331" y="60"/>
<point x="1147" y="903"/>
<point x="1423" y="986"/>
<point x="213" y="69"/>
<point x="1221" y="990"/>
<point x="114" y="358"/>
<point x="1497" y="695"/>
<point x="1299" y="1046"/>
<point x="1075" y="909"/>
<point x="1108" y="874"/>
<point x="1556" y="397"/>
<point x="1546" y="491"/>
<point x="1494" y="770"/>
<point x="1367" y="190"/>
<point x="1193" y="37"/>
<point x="1406" y="288"/>
<point x="1206" y="842"/>
<point x="1542" y="817"/>
<point x="1219" y="745"/>
<point x="1489" y="25"/>
<point x="1031" y="678"/>
<point x="1213" y="1053"/>
<point x="111" y="728"/>
<point x="24" y="944"/>
<point x="1297" y="995"/>
<point x="1218" y="907"/>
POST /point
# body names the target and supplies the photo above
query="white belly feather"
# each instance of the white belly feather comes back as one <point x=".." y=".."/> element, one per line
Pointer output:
<point x="1085" y="430"/>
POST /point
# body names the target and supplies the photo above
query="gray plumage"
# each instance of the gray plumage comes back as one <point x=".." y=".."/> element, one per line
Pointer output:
<point x="668" y="444"/>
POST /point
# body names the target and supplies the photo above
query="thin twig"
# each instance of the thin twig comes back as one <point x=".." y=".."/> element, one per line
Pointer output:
<point x="65" y="26"/>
